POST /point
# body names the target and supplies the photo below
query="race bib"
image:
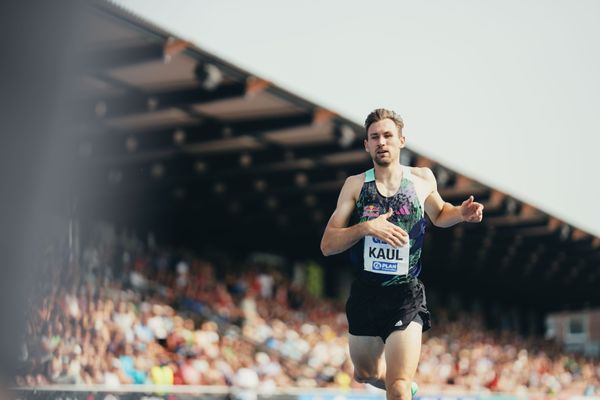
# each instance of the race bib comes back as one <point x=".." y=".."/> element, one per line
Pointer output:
<point x="382" y="258"/>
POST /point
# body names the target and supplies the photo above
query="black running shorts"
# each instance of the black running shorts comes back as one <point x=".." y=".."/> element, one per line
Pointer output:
<point x="381" y="310"/>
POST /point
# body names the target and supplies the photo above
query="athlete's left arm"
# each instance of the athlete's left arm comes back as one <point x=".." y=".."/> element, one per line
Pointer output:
<point x="444" y="214"/>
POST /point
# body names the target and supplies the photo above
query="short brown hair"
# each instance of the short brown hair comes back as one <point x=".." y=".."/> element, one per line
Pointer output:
<point x="381" y="114"/>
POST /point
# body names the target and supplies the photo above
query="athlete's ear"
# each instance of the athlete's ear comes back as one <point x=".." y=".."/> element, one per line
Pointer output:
<point x="402" y="141"/>
<point x="366" y="147"/>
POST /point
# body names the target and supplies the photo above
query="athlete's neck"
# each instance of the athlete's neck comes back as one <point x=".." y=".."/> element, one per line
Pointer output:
<point x="391" y="173"/>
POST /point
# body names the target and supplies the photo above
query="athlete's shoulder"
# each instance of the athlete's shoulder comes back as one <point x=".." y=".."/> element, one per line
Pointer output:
<point x="423" y="173"/>
<point x="356" y="179"/>
<point x="353" y="186"/>
<point x="425" y="179"/>
<point x="355" y="182"/>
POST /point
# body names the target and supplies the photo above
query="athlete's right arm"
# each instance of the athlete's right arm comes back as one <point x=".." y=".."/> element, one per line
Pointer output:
<point x="338" y="237"/>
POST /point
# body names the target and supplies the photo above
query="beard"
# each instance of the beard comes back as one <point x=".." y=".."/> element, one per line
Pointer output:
<point x="382" y="163"/>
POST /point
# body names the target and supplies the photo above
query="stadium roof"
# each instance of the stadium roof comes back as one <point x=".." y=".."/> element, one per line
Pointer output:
<point x="180" y="142"/>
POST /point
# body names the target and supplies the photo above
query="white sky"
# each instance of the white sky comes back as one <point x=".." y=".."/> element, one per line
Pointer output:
<point x="505" y="91"/>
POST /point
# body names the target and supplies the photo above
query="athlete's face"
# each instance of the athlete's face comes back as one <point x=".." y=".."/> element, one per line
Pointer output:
<point x="384" y="142"/>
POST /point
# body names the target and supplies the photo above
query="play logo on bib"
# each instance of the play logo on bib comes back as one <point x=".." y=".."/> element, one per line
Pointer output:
<point x="385" y="266"/>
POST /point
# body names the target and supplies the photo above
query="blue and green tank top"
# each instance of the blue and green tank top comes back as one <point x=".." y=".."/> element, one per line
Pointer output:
<point x="375" y="261"/>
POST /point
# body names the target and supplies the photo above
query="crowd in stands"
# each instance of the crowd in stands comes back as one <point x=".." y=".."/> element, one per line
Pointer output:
<point x="463" y="354"/>
<point x="125" y="315"/>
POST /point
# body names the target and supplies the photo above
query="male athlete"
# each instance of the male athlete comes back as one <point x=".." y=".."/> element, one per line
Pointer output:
<point x="380" y="218"/>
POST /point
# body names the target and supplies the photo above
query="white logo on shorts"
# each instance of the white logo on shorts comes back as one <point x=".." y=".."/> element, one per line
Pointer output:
<point x="399" y="323"/>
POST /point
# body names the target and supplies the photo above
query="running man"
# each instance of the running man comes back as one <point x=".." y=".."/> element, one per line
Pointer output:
<point x="380" y="219"/>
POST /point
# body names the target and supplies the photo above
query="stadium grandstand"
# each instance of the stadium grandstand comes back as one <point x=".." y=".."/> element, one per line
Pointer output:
<point x="187" y="260"/>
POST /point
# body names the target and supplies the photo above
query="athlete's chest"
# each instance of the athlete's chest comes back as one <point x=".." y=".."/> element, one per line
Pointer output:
<point x="409" y="193"/>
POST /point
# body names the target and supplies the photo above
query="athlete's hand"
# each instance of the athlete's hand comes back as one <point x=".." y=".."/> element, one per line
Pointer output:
<point x="383" y="229"/>
<point x="471" y="211"/>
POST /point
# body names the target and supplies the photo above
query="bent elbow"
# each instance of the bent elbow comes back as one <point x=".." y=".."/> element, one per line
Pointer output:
<point x="326" y="247"/>
<point x="325" y="250"/>
<point x="436" y="221"/>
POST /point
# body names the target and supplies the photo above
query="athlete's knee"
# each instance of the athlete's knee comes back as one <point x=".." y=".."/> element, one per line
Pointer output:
<point x="399" y="389"/>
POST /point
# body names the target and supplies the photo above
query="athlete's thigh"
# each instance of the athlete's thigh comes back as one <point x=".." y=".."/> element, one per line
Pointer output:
<point x="365" y="352"/>
<point x="402" y="352"/>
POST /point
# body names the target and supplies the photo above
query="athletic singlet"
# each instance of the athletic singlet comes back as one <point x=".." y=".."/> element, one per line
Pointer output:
<point x="375" y="261"/>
